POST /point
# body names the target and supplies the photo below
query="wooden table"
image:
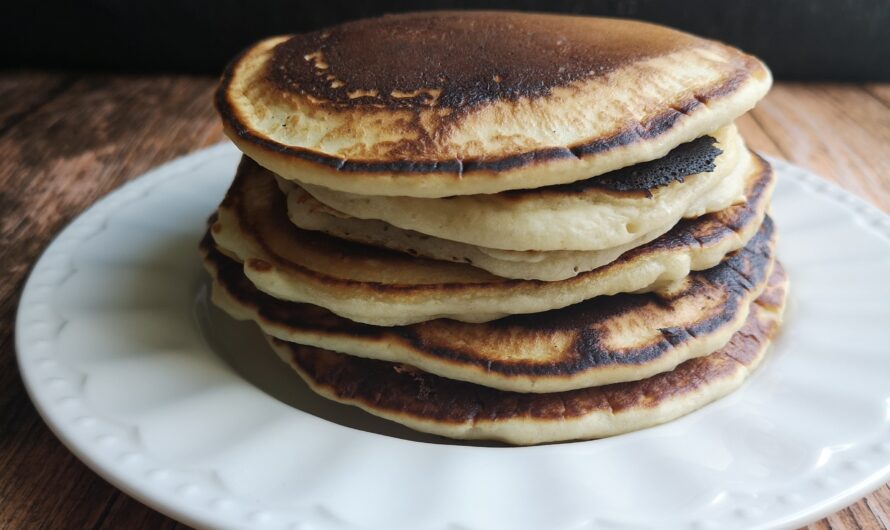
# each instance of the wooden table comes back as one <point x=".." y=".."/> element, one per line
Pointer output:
<point x="66" y="140"/>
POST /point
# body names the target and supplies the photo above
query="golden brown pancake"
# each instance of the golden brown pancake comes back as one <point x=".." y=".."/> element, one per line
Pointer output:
<point x="377" y="286"/>
<point x="462" y="410"/>
<point x="600" y="341"/>
<point x="435" y="104"/>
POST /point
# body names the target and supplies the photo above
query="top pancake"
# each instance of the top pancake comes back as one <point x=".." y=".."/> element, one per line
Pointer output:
<point x="437" y="104"/>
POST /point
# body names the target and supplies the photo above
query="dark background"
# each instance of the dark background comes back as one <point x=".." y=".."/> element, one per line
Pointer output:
<point x="799" y="39"/>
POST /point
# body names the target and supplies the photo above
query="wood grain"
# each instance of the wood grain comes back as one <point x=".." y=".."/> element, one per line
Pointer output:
<point x="65" y="143"/>
<point x="67" y="140"/>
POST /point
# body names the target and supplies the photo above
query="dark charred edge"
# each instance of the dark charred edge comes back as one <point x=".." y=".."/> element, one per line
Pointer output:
<point x="742" y="273"/>
<point x="773" y="297"/>
<point x="691" y="233"/>
<point x="712" y="227"/>
<point x="738" y="275"/>
<point x="652" y="128"/>
<point x="208" y="249"/>
<point x="690" y="158"/>
<point x="400" y="390"/>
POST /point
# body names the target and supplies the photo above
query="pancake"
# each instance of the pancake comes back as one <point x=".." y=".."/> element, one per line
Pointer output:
<point x="463" y="410"/>
<point x="378" y="286"/>
<point x="569" y="217"/>
<point x="309" y="214"/>
<point x="604" y="340"/>
<point x="435" y="104"/>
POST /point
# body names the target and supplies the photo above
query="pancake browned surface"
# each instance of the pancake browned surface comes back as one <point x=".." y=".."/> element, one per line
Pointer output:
<point x="377" y="286"/>
<point x="600" y="341"/>
<point x="406" y="104"/>
<point x="457" y="409"/>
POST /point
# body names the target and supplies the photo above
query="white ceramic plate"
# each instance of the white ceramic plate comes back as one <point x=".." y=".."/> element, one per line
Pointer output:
<point x="190" y="412"/>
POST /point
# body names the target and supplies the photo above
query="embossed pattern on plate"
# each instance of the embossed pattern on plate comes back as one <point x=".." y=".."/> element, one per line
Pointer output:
<point x="190" y="413"/>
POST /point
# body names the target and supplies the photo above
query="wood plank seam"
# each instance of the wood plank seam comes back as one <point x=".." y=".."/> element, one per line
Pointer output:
<point x="880" y="514"/>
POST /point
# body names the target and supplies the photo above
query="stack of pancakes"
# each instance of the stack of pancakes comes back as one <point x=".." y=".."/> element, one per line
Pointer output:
<point x="527" y="228"/>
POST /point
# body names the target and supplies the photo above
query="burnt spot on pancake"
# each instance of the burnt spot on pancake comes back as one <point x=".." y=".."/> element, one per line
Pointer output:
<point x="425" y="60"/>
<point x="714" y="226"/>
<point x="687" y="159"/>
<point x="383" y="388"/>
<point x="690" y="158"/>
